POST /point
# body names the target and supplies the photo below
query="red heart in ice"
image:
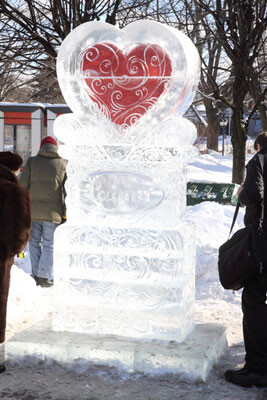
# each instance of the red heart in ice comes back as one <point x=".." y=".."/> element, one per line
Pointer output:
<point x="125" y="84"/>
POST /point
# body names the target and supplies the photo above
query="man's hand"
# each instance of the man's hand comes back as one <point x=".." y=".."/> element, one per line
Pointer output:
<point x="241" y="187"/>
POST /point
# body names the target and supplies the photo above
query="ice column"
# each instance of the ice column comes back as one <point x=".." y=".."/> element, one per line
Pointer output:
<point x="125" y="258"/>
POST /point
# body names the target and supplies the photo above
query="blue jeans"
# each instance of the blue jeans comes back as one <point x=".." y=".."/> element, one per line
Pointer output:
<point x="41" y="245"/>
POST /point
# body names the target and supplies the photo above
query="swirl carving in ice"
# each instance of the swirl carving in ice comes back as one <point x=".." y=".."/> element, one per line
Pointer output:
<point x="125" y="84"/>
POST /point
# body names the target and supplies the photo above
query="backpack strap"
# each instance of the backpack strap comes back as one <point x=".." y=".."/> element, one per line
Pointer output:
<point x="261" y="159"/>
<point x="234" y="218"/>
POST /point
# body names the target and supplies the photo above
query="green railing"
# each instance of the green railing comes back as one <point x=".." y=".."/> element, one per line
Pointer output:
<point x="223" y="193"/>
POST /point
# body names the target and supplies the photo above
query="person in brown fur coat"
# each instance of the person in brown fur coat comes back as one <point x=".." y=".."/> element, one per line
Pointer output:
<point x="15" y="225"/>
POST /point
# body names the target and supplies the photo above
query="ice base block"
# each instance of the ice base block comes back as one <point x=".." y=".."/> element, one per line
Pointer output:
<point x="193" y="358"/>
<point x="129" y="282"/>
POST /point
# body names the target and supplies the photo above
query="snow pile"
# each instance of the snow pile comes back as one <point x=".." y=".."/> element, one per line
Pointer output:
<point x="27" y="303"/>
<point x="213" y="223"/>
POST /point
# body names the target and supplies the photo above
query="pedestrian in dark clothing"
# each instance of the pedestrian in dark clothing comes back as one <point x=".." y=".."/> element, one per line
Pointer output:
<point x="254" y="307"/>
<point x="15" y="225"/>
<point x="11" y="160"/>
<point x="44" y="176"/>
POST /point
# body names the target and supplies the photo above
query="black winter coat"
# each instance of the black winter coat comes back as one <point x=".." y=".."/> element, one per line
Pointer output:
<point x="254" y="186"/>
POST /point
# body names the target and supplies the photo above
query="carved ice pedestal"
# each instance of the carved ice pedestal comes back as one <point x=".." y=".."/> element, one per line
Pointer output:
<point x="125" y="260"/>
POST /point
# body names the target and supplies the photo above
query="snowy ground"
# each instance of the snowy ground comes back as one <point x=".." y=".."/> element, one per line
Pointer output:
<point x="30" y="379"/>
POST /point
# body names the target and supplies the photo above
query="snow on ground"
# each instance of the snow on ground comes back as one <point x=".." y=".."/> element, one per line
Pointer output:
<point x="212" y="167"/>
<point x="29" y="380"/>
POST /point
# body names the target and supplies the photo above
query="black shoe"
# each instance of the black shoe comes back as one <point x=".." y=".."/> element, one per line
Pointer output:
<point x="2" y="368"/>
<point x="246" y="377"/>
<point x="44" y="282"/>
<point x="36" y="279"/>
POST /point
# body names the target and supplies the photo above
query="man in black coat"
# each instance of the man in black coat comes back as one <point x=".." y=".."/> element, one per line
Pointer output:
<point x="254" y="307"/>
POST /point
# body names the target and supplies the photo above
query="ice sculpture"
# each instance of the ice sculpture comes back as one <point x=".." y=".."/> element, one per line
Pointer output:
<point x="125" y="259"/>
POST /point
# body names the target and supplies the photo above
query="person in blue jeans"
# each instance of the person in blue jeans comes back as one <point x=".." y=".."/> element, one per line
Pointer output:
<point x="44" y="176"/>
<point x="41" y="247"/>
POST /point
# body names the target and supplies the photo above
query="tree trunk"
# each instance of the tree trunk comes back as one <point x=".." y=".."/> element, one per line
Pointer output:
<point x="263" y="114"/>
<point x="239" y="132"/>
<point x="239" y="138"/>
<point x="256" y="90"/>
<point x="213" y="119"/>
<point x="212" y="138"/>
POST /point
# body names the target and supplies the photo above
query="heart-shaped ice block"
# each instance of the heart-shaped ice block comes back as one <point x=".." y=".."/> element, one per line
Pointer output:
<point x="130" y="78"/>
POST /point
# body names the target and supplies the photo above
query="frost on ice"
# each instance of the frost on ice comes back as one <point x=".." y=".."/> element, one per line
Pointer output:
<point x="125" y="258"/>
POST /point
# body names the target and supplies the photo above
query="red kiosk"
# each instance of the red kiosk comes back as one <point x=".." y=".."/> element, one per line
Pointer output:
<point x="24" y="125"/>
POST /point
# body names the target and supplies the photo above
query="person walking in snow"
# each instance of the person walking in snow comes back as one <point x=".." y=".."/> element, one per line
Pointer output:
<point x="254" y="307"/>
<point x="15" y="225"/>
<point x="44" y="176"/>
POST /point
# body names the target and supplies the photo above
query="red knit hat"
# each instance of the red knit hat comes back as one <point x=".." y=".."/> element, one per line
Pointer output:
<point x="10" y="160"/>
<point x="48" y="139"/>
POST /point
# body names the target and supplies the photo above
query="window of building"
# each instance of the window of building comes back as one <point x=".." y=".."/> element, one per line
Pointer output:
<point x="17" y="138"/>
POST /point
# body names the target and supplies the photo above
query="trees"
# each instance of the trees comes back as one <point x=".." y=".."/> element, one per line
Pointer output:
<point x="258" y="82"/>
<point x="198" y="24"/>
<point x="240" y="27"/>
<point x="38" y="27"/>
<point x="9" y="72"/>
<point x="230" y="38"/>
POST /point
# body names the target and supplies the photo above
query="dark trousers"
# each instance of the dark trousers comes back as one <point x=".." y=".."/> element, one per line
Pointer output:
<point x="255" y="323"/>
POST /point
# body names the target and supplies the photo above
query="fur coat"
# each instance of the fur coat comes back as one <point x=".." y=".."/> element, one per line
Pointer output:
<point x="15" y="225"/>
